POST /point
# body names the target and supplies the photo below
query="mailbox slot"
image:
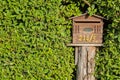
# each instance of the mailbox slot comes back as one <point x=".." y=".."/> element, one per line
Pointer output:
<point x="87" y="21"/>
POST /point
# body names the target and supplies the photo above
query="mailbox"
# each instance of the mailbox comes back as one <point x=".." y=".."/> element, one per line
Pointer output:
<point x="87" y="33"/>
<point x="87" y="29"/>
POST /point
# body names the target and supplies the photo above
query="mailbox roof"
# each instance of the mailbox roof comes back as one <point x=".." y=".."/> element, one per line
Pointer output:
<point x="87" y="14"/>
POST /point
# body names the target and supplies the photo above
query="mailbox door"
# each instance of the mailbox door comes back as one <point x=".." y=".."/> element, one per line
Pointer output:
<point x="87" y="33"/>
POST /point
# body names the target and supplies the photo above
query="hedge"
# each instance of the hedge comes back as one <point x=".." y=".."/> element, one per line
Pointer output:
<point x="34" y="34"/>
<point x="33" y="37"/>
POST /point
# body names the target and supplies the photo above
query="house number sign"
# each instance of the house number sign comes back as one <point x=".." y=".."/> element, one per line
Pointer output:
<point x="87" y="38"/>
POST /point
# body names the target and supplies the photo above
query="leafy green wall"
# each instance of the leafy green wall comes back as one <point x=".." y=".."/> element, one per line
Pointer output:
<point x="33" y="37"/>
<point x="34" y="33"/>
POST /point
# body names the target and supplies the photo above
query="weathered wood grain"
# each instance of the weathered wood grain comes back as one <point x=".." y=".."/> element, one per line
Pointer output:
<point x="76" y="55"/>
<point x="85" y="63"/>
<point x="91" y="62"/>
<point x="79" y="65"/>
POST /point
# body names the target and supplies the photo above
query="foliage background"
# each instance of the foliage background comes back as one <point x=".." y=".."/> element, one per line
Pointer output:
<point x="34" y="34"/>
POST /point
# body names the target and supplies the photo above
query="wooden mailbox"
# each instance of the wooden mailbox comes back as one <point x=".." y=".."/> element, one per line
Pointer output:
<point x="87" y="33"/>
<point x="87" y="29"/>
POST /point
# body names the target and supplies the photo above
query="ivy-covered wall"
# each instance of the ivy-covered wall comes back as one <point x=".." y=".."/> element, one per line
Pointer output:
<point x="34" y="34"/>
<point x="33" y="37"/>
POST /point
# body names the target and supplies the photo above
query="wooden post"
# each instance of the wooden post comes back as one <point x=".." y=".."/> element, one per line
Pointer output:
<point x="91" y="62"/>
<point x="79" y="66"/>
<point x="86" y="63"/>
<point x="76" y="55"/>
